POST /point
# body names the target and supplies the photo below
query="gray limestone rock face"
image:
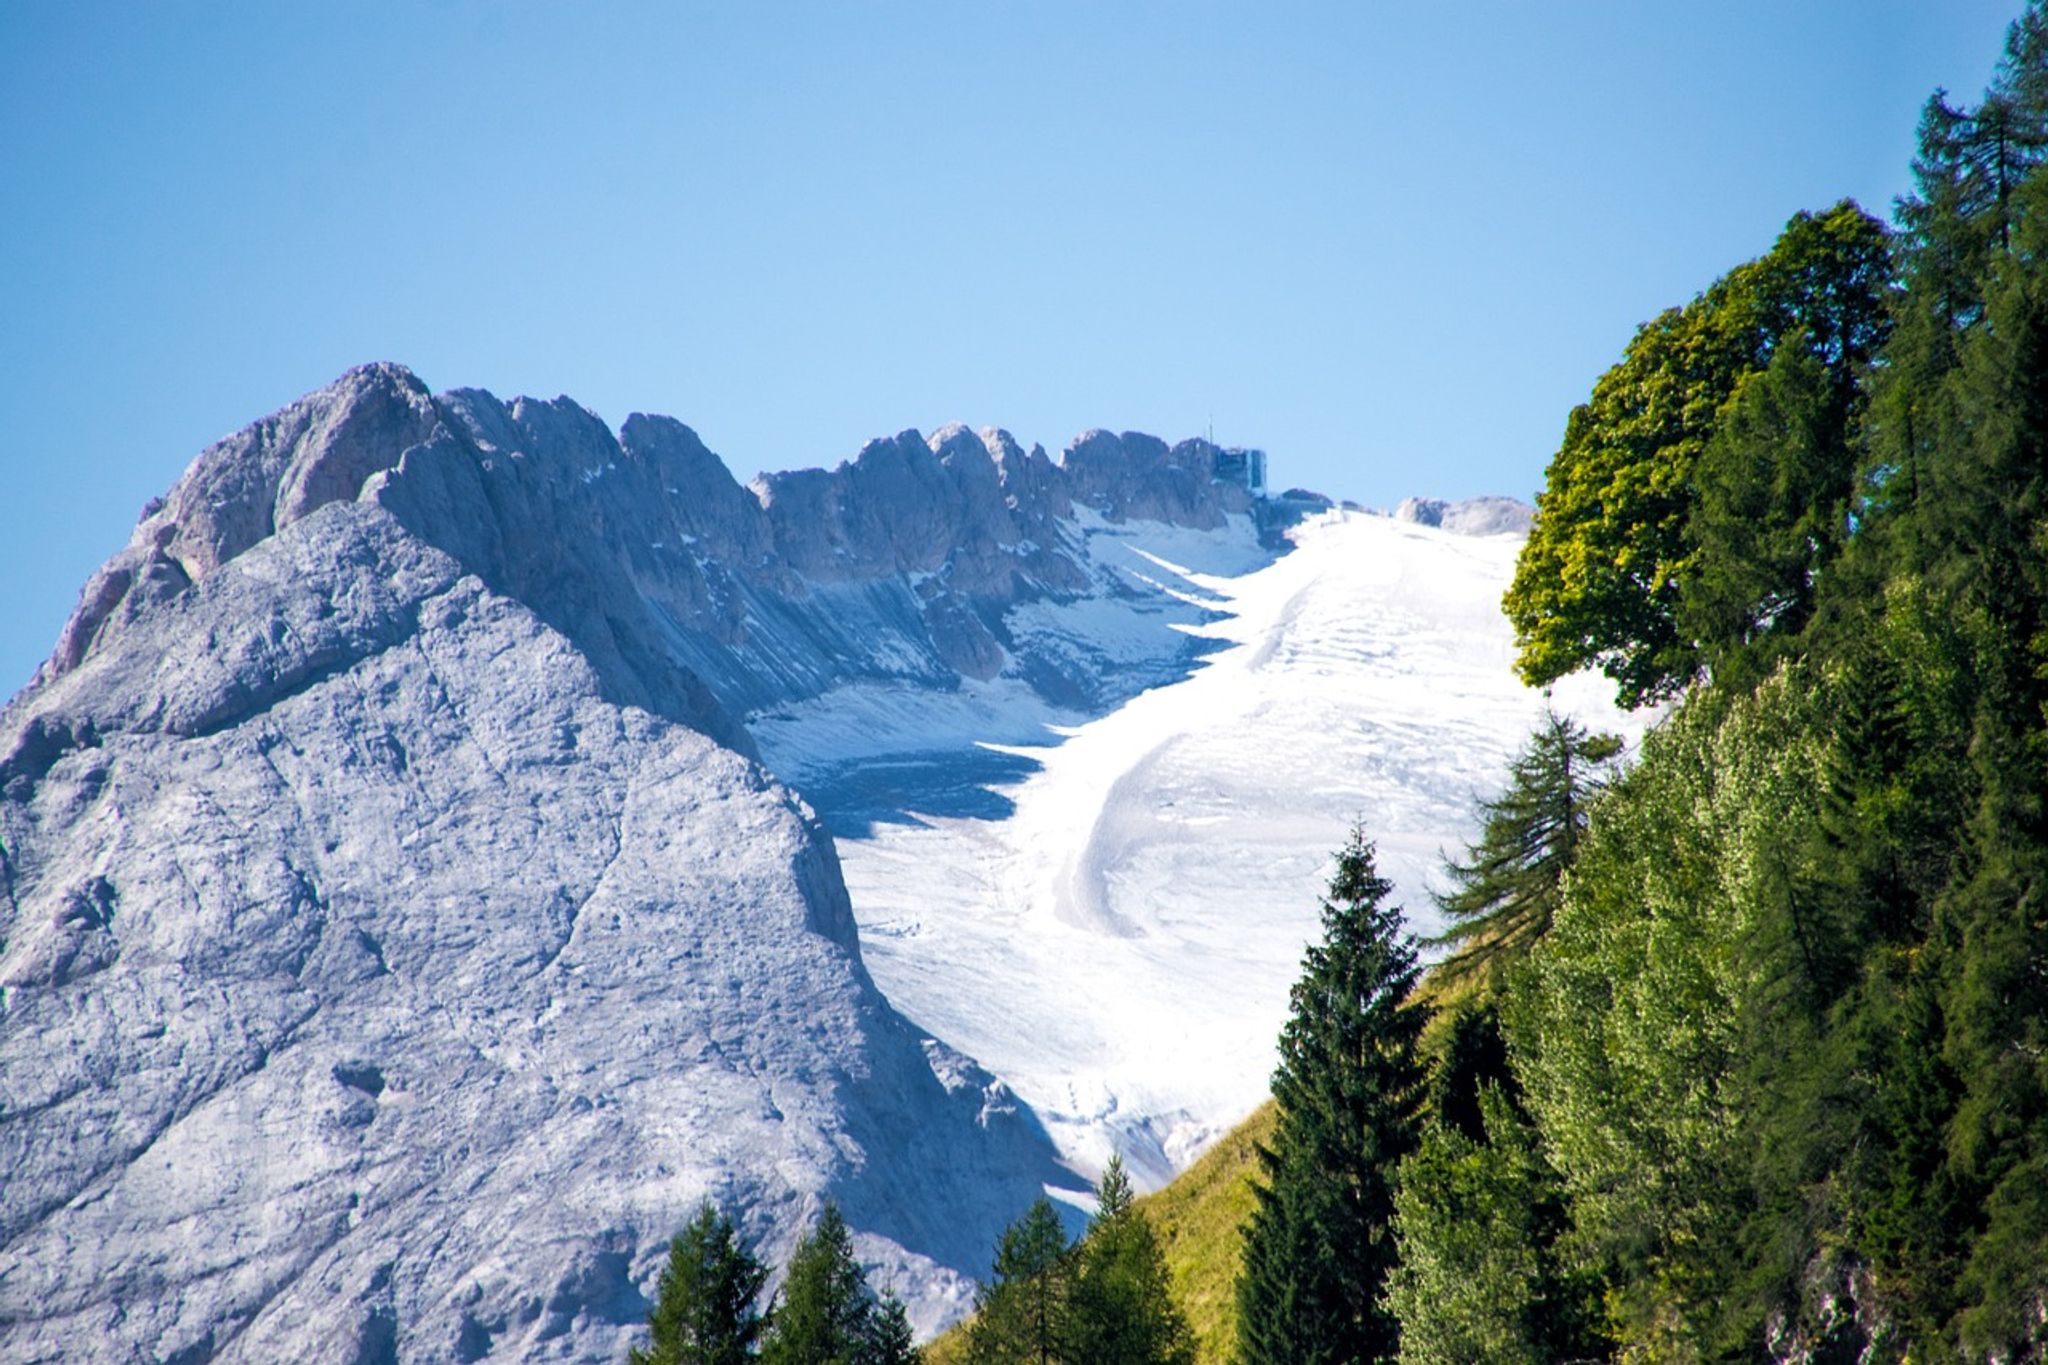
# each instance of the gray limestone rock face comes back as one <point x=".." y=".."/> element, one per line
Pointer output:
<point x="692" y="596"/>
<point x="1135" y="477"/>
<point x="389" y="964"/>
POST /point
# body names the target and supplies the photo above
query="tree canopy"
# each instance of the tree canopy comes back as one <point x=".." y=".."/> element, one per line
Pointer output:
<point x="1783" y="1048"/>
<point x="1602" y="578"/>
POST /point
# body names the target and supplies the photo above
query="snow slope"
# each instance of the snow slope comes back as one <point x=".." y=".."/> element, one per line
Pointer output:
<point x="1115" y="938"/>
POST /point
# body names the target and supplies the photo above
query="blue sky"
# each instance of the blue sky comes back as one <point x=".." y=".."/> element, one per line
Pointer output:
<point x="1392" y="243"/>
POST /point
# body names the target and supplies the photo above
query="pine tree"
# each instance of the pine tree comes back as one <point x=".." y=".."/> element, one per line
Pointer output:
<point x="1123" y="1312"/>
<point x="1319" y="1244"/>
<point x="1505" y="891"/>
<point x="1021" y="1317"/>
<point x="704" y="1311"/>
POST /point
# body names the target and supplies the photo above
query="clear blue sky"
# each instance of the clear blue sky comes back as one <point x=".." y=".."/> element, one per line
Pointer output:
<point x="1392" y="243"/>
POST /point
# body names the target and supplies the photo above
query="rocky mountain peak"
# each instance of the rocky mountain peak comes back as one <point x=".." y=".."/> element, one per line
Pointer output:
<point x="398" y="936"/>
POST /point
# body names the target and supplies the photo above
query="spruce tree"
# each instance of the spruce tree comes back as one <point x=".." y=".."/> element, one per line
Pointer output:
<point x="1123" y="1312"/>
<point x="1022" y="1317"/>
<point x="888" y="1340"/>
<point x="704" y="1312"/>
<point x="1505" y="891"/>
<point x="1319" y="1244"/>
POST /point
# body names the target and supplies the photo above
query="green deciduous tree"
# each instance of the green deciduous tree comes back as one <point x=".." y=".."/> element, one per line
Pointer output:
<point x="1600" y="579"/>
<point x="1477" y="1219"/>
<point x="1637" y="1023"/>
<point x="704" y="1312"/>
<point x="1319" y="1244"/>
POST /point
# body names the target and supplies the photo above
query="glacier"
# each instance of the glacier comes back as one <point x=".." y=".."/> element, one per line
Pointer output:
<point x="1117" y="942"/>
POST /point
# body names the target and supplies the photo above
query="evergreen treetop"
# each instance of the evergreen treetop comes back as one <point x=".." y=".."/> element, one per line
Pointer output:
<point x="1021" y="1315"/>
<point x="1506" y="889"/>
<point x="704" y="1312"/>
<point x="1319" y="1244"/>
<point x="826" y="1314"/>
<point x="1123" y="1310"/>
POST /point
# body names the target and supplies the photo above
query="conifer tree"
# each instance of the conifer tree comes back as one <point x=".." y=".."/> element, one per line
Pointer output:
<point x="889" y="1340"/>
<point x="1475" y="1057"/>
<point x="704" y="1312"/>
<point x="1021" y="1317"/>
<point x="821" y="1315"/>
<point x="1123" y="1312"/>
<point x="826" y="1313"/>
<point x="1319" y="1244"/>
<point x="1505" y="891"/>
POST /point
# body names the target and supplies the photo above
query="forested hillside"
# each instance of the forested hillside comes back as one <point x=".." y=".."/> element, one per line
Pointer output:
<point x="1751" y="1053"/>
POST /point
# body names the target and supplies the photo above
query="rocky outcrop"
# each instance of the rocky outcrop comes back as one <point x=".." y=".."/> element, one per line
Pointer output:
<point x="697" y="599"/>
<point x="1487" y="516"/>
<point x="375" y="987"/>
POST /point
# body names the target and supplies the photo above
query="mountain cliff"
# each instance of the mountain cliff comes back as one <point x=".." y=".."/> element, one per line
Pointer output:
<point x="398" y="936"/>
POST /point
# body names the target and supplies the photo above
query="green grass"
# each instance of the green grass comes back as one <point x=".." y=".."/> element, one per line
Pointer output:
<point x="949" y="1349"/>
<point x="1198" y="1218"/>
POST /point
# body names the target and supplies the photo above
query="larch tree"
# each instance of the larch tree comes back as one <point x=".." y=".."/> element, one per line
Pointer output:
<point x="1505" y="890"/>
<point x="704" y="1312"/>
<point x="1022" y="1316"/>
<point x="1123" y="1310"/>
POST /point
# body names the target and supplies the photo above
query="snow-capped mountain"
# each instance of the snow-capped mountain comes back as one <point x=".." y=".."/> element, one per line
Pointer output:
<point x="400" y="932"/>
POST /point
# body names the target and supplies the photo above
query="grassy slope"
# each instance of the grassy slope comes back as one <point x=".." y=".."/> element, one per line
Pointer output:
<point x="1197" y="1218"/>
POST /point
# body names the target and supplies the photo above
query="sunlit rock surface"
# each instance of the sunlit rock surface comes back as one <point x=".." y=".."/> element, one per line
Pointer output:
<point x="399" y="936"/>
